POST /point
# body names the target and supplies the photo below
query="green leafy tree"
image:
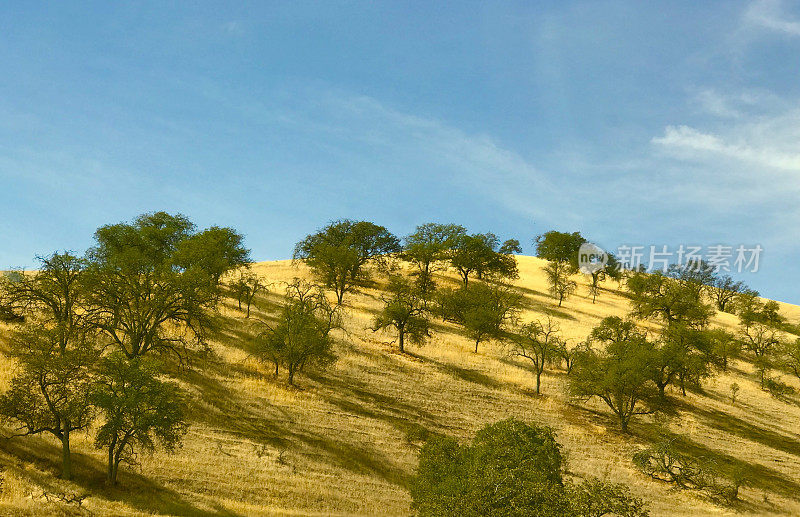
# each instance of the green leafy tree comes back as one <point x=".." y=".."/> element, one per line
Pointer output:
<point x="724" y="290"/>
<point x="54" y="350"/>
<point x="539" y="342"/>
<point x="429" y="248"/>
<point x="338" y="253"/>
<point x="215" y="250"/>
<point x="621" y="373"/>
<point x="510" y="247"/>
<point x="145" y="294"/>
<point x="139" y="410"/>
<point x="406" y="311"/>
<point x="611" y="270"/>
<point x="510" y="469"/>
<point x="668" y="299"/>
<point x="791" y="356"/>
<point x="302" y="335"/>
<point x="50" y="393"/>
<point x="485" y="311"/>
<point x="759" y="331"/>
<point x="478" y="254"/>
<point x="725" y="347"/>
<point x="594" y="498"/>
<point x="558" y="277"/>
<point x="561" y="247"/>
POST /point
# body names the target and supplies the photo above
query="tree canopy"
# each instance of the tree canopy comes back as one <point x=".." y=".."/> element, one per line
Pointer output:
<point x="338" y="252"/>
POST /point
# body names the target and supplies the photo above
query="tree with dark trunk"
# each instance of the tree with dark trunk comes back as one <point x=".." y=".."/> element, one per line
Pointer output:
<point x="539" y="342"/>
<point x="485" y="311"/>
<point x="140" y="411"/>
<point x="339" y="252"/>
<point x="302" y="335"/>
<point x="621" y="374"/>
<point x="55" y="351"/>
<point x="154" y="275"/>
<point x="406" y="311"/>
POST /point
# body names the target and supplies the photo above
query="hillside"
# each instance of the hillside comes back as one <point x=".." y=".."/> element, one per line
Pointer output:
<point x="345" y="441"/>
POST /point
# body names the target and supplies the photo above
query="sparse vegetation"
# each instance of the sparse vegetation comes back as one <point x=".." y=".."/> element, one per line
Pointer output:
<point x="100" y="336"/>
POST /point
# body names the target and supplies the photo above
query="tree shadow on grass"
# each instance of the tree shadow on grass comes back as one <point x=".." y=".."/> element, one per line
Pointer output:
<point x="758" y="477"/>
<point x="133" y="489"/>
<point x="220" y="407"/>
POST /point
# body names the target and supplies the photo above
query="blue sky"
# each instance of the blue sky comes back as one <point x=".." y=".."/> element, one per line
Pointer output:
<point x="631" y="122"/>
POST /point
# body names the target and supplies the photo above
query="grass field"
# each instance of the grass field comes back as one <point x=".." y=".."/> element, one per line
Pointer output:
<point x="346" y="440"/>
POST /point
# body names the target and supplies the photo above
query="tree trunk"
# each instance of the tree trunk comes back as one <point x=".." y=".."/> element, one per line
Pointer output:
<point x="291" y="376"/>
<point x="66" y="458"/>
<point x="111" y="475"/>
<point x="476" y="345"/>
<point x="538" y="381"/>
<point x="401" y="335"/>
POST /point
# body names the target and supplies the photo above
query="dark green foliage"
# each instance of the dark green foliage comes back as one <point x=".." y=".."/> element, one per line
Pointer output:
<point x="143" y="285"/>
<point x="338" y="252"/>
<point x="669" y="299"/>
<point x="406" y="311"/>
<point x="724" y="291"/>
<point x="510" y="246"/>
<point x="139" y="411"/>
<point x="510" y="469"/>
<point x="685" y="356"/>
<point x="725" y="347"/>
<point x="215" y="251"/>
<point x="429" y="248"/>
<point x="483" y="310"/>
<point x="621" y="373"/>
<point x="478" y="254"/>
<point x="302" y="335"/>
<point x="593" y="498"/>
<point x="560" y="247"/>
<point x="790" y="354"/>
<point x="759" y="332"/>
<point x="538" y="342"/>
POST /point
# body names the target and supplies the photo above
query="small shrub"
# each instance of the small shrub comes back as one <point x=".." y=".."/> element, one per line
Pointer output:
<point x="734" y="392"/>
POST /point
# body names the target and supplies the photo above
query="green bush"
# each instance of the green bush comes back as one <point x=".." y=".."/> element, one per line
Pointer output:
<point x="510" y="469"/>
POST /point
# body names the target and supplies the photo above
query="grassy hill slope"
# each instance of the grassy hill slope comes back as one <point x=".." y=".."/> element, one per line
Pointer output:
<point x="345" y="442"/>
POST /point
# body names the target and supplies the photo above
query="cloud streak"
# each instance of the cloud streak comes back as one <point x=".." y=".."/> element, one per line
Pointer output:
<point x="769" y="14"/>
<point x="693" y="143"/>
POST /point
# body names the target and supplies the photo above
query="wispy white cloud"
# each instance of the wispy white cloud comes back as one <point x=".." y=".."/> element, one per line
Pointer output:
<point x="689" y="142"/>
<point x="770" y="14"/>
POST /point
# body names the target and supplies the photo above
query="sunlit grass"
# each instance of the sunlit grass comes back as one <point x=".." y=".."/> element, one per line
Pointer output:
<point x="339" y="442"/>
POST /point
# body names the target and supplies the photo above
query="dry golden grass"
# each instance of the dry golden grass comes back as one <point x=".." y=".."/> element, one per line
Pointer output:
<point x="339" y="444"/>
